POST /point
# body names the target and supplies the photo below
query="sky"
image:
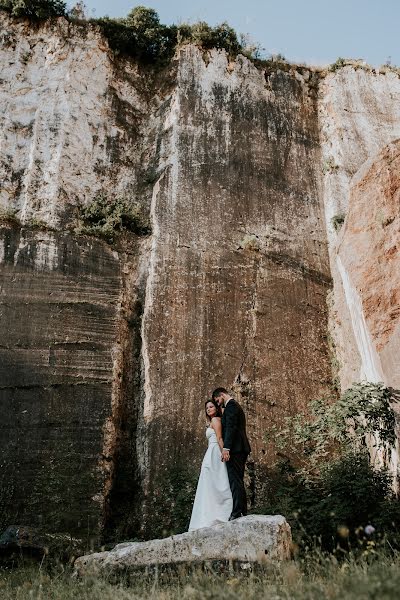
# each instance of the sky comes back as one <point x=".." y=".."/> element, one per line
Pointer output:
<point x="316" y="32"/>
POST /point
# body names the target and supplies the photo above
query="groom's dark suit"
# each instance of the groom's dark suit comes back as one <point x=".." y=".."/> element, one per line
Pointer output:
<point x="235" y="440"/>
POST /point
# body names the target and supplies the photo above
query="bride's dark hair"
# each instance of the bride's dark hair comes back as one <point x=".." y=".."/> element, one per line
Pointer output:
<point x="215" y="403"/>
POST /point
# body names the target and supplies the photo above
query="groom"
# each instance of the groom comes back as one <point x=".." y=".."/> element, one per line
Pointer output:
<point x="236" y="448"/>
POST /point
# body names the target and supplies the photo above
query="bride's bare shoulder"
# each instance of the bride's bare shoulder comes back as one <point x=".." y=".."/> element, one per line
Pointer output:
<point x="216" y="424"/>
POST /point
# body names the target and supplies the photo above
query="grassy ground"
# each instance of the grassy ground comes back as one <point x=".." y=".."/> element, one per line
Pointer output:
<point x="317" y="578"/>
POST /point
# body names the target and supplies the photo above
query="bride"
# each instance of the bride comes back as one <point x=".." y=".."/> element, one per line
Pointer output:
<point x="213" y="501"/>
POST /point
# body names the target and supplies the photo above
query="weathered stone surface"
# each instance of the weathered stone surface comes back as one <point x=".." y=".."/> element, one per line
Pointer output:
<point x="252" y="539"/>
<point x="359" y="114"/>
<point x="238" y="274"/>
<point x="239" y="167"/>
<point x="71" y="120"/>
<point x="369" y="252"/>
<point x="62" y="310"/>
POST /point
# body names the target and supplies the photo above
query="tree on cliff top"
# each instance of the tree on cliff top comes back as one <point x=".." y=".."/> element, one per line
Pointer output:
<point x="152" y="40"/>
<point x="140" y="33"/>
<point x="34" y="9"/>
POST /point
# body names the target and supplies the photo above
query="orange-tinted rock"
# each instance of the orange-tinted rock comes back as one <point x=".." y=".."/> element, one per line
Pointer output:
<point x="369" y="251"/>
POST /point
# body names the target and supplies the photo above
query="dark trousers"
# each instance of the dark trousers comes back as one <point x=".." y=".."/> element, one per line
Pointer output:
<point x="235" y="466"/>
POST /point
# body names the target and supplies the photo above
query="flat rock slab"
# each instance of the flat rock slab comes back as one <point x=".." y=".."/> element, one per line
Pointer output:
<point x="251" y="539"/>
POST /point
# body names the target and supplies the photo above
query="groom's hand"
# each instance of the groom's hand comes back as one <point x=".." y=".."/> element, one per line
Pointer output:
<point x="225" y="456"/>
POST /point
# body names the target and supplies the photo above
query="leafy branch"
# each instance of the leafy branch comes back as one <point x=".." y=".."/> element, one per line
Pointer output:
<point x="363" y="416"/>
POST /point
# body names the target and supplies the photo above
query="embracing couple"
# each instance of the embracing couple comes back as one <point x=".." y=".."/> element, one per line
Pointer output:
<point x="221" y="495"/>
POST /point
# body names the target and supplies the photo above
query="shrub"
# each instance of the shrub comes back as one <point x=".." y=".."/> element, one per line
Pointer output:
<point x="78" y="12"/>
<point x="143" y="20"/>
<point x="141" y="34"/>
<point x="34" y="9"/>
<point x="120" y="37"/>
<point x="153" y="41"/>
<point x="346" y="425"/>
<point x="335" y="508"/>
<point x="222" y="36"/>
<point x="9" y="215"/>
<point x="108" y="218"/>
<point x="253" y="50"/>
<point x="337" y="221"/>
<point x="331" y="490"/>
<point x="338" y="64"/>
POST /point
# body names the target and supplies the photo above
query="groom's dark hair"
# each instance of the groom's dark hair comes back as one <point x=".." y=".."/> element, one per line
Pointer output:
<point x="218" y="391"/>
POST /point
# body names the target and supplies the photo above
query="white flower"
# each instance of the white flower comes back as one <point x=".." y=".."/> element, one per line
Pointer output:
<point x="369" y="529"/>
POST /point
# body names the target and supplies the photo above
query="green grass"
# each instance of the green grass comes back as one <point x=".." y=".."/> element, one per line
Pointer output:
<point x="318" y="577"/>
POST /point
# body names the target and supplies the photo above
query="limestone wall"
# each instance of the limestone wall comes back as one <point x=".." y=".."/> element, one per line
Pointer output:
<point x="109" y="352"/>
<point x="359" y="114"/>
<point x="239" y="273"/>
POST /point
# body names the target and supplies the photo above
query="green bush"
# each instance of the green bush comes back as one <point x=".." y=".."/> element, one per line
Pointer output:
<point x="328" y="487"/>
<point x="120" y="37"/>
<point x="338" y="64"/>
<point x="141" y="35"/>
<point x="108" y="218"/>
<point x="333" y="509"/>
<point x="335" y="428"/>
<point x="222" y="36"/>
<point x="34" y="9"/>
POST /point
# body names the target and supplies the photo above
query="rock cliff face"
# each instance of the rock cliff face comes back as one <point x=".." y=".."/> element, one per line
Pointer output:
<point x="238" y="271"/>
<point x="359" y="116"/>
<point x="368" y="255"/>
<point x="108" y="353"/>
<point x="75" y="126"/>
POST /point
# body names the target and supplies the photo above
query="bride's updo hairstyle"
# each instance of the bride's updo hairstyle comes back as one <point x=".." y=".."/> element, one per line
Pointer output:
<point x="217" y="407"/>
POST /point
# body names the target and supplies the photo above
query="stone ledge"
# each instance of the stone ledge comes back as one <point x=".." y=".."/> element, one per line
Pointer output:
<point x="251" y="539"/>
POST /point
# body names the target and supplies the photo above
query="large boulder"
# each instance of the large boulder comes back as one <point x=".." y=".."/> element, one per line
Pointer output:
<point x="252" y="539"/>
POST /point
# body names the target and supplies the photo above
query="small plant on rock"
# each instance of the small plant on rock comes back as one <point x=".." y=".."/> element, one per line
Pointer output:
<point x="107" y="218"/>
<point x="329" y="165"/>
<point x="338" y="64"/>
<point x="337" y="221"/>
<point x="251" y="242"/>
<point x="9" y="215"/>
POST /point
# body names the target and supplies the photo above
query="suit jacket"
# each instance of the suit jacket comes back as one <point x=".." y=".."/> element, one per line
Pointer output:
<point x="234" y="428"/>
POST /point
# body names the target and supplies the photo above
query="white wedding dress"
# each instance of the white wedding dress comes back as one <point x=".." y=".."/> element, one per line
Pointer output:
<point x="213" y="501"/>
